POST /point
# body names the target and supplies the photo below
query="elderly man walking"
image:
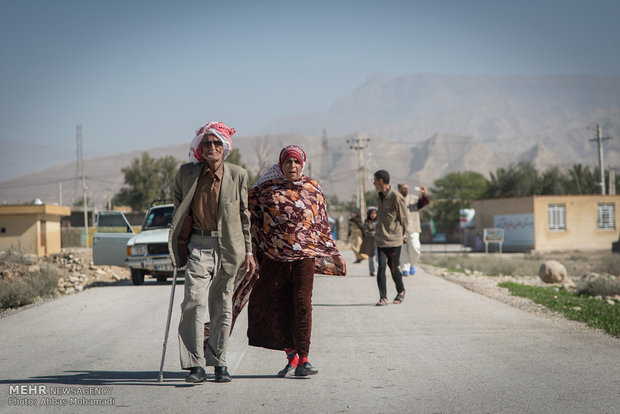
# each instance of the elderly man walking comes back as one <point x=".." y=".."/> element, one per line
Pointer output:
<point x="391" y="234"/>
<point x="211" y="234"/>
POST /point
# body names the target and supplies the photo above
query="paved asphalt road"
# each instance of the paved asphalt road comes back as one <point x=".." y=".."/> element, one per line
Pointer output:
<point x="444" y="350"/>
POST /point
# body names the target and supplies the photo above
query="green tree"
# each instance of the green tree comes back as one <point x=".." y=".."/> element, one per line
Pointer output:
<point x="450" y="194"/>
<point x="517" y="180"/>
<point x="147" y="179"/>
<point x="552" y="181"/>
<point x="577" y="179"/>
<point x="372" y="199"/>
<point x="235" y="158"/>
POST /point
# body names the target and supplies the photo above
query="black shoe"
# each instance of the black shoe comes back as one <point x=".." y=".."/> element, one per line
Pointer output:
<point x="197" y="374"/>
<point x="287" y="371"/>
<point x="222" y="375"/>
<point x="305" y="370"/>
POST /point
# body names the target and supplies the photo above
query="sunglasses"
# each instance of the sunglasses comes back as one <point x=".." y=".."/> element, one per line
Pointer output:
<point x="214" y="143"/>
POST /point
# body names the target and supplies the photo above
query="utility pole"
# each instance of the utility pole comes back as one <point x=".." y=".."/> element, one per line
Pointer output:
<point x="60" y="193"/>
<point x="359" y="144"/>
<point x="601" y="167"/>
<point x="325" y="167"/>
<point x="325" y="178"/>
<point x="80" y="170"/>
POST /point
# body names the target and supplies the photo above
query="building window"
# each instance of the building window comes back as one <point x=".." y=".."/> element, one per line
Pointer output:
<point x="606" y="216"/>
<point x="557" y="217"/>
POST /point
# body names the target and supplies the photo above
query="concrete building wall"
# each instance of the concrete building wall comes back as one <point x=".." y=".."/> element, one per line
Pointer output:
<point x="486" y="209"/>
<point x="581" y="214"/>
<point x="19" y="231"/>
<point x="53" y="236"/>
<point x="582" y="230"/>
<point x="35" y="229"/>
<point x="506" y="212"/>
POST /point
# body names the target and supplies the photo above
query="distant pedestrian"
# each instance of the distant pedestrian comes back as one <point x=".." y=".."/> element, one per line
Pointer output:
<point x="356" y="234"/>
<point x="411" y="250"/>
<point x="369" y="247"/>
<point x="390" y="236"/>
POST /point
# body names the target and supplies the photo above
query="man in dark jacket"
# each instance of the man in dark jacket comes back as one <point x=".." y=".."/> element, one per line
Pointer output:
<point x="390" y="236"/>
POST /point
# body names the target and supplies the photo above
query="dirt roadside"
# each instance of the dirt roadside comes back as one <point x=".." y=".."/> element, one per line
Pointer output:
<point x="487" y="286"/>
<point x="73" y="265"/>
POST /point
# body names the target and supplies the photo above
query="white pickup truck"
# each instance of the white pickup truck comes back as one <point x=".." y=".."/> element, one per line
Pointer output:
<point x="145" y="253"/>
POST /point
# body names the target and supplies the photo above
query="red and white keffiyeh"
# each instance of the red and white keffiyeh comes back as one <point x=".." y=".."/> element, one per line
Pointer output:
<point x="219" y="130"/>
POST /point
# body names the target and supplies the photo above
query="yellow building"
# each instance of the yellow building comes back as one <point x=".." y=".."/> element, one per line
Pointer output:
<point x="551" y="223"/>
<point x="33" y="228"/>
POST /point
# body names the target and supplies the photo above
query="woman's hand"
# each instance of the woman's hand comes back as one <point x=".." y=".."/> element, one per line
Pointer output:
<point x="339" y="261"/>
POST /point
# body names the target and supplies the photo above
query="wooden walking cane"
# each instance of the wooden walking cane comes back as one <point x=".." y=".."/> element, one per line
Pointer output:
<point x="163" y="353"/>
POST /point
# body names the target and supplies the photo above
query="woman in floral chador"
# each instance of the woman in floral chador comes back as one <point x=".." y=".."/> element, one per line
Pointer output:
<point x="292" y="241"/>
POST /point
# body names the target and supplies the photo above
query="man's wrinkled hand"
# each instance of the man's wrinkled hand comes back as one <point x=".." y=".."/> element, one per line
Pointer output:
<point x="250" y="264"/>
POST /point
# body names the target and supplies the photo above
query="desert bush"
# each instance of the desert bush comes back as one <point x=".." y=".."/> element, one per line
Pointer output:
<point x="23" y="290"/>
<point x="599" y="287"/>
<point x="16" y="255"/>
<point x="607" y="263"/>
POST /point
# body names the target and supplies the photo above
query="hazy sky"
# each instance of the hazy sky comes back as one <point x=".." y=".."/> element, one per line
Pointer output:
<point x="141" y="74"/>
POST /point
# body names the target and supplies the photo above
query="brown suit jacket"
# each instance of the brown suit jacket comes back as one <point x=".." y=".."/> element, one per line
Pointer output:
<point x="233" y="220"/>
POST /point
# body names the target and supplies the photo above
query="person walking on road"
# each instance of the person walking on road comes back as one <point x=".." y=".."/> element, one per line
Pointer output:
<point x="210" y="234"/>
<point x="292" y="242"/>
<point x="356" y="234"/>
<point x="390" y="236"/>
<point x="411" y="250"/>
<point x="369" y="246"/>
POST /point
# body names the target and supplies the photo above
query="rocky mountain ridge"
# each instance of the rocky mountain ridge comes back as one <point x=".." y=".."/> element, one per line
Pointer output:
<point x="420" y="127"/>
<point x="335" y="167"/>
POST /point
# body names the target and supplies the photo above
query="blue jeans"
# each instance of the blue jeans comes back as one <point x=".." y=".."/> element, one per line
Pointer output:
<point x="371" y="262"/>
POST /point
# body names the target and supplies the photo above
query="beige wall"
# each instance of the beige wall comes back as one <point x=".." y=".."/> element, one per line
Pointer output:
<point x="582" y="231"/>
<point x="52" y="228"/>
<point x="581" y="220"/>
<point x="19" y="231"/>
<point x="22" y="228"/>
<point x="486" y="209"/>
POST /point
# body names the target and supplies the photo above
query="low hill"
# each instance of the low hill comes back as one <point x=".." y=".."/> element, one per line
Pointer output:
<point x="335" y="165"/>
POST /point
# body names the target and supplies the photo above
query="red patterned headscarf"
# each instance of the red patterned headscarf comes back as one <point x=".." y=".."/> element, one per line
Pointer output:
<point x="215" y="128"/>
<point x="293" y="151"/>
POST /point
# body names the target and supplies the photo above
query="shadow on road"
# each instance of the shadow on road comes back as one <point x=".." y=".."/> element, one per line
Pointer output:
<point x="343" y="304"/>
<point x="98" y="378"/>
<point x="108" y="378"/>
<point x="126" y="282"/>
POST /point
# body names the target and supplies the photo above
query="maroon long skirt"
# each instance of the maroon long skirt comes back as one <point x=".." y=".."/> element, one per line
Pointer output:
<point x="245" y="282"/>
<point x="280" y="306"/>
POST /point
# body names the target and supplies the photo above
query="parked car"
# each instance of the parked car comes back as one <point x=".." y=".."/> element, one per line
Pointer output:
<point x="145" y="253"/>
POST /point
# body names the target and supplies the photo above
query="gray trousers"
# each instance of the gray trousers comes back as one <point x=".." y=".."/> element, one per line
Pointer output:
<point x="206" y="285"/>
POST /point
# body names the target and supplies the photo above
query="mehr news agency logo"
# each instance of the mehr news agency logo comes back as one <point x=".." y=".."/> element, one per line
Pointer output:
<point x="47" y="395"/>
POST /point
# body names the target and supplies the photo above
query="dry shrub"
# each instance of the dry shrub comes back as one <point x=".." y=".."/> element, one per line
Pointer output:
<point x="608" y="263"/>
<point x="23" y="290"/>
<point x="599" y="287"/>
<point x="16" y="255"/>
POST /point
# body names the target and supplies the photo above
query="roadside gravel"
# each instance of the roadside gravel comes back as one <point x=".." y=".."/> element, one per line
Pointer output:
<point x="488" y="286"/>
